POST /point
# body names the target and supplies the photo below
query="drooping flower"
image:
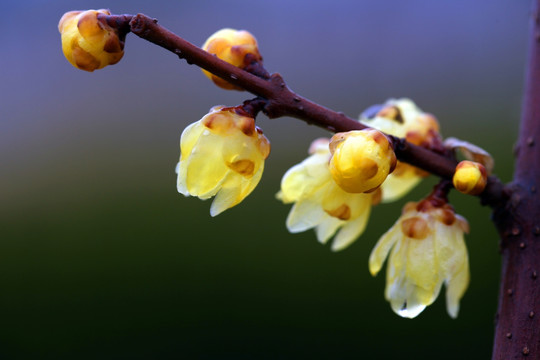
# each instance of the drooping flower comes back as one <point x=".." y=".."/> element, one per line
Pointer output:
<point x="361" y="160"/>
<point x="427" y="250"/>
<point x="320" y="203"/>
<point x="222" y="155"/>
<point x="402" y="118"/>
<point x="88" y="43"/>
<point x="231" y="46"/>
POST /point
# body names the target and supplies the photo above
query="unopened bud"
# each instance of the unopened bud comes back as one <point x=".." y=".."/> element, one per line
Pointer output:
<point x="231" y="46"/>
<point x="470" y="177"/>
<point x="361" y="160"/>
<point x="88" y="43"/>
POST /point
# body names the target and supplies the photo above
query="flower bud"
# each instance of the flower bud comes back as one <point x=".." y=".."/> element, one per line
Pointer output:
<point x="88" y="43"/>
<point x="470" y="177"/>
<point x="361" y="160"/>
<point x="231" y="46"/>
<point x="403" y="119"/>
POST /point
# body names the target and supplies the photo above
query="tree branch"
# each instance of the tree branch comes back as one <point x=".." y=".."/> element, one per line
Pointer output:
<point x="517" y="332"/>
<point x="282" y="101"/>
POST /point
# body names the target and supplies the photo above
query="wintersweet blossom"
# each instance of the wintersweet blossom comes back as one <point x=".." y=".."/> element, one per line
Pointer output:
<point x="361" y="160"/>
<point x="232" y="46"/>
<point x="222" y="155"/>
<point x="320" y="203"/>
<point x="87" y="43"/>
<point x="470" y="177"/>
<point x="402" y="118"/>
<point x="428" y="250"/>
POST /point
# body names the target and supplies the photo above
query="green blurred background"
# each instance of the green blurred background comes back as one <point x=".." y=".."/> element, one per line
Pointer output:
<point x="101" y="258"/>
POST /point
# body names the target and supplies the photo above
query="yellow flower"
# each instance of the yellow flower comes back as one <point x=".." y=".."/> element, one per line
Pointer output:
<point x="470" y="177"/>
<point x="427" y="249"/>
<point x="87" y="43"/>
<point x="402" y="118"/>
<point x="231" y="46"/>
<point x="361" y="160"/>
<point x="222" y="155"/>
<point x="320" y="203"/>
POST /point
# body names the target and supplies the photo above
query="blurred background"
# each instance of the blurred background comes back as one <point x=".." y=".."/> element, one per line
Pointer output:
<point x="101" y="258"/>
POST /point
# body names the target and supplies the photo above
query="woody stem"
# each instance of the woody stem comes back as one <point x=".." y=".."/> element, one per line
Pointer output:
<point x="281" y="101"/>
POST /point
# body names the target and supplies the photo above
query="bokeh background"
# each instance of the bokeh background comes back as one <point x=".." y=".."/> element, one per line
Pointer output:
<point x="101" y="258"/>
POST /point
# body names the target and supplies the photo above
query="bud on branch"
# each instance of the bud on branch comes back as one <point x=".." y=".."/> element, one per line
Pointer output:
<point x="280" y="101"/>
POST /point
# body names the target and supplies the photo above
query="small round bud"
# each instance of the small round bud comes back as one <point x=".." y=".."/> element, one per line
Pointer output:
<point x="231" y="46"/>
<point x="89" y="43"/>
<point x="361" y="160"/>
<point x="470" y="177"/>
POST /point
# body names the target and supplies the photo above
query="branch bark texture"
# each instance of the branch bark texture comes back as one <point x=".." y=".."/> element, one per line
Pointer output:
<point x="517" y="332"/>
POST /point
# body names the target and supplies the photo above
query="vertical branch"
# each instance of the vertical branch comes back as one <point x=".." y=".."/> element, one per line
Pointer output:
<point x="517" y="332"/>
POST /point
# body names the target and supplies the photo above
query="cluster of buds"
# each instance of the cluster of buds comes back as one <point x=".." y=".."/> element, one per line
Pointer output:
<point x="88" y="42"/>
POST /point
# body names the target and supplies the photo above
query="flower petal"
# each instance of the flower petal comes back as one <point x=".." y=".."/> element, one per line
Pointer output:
<point x="395" y="187"/>
<point x="234" y="189"/>
<point x="455" y="289"/>
<point x="205" y="170"/>
<point x="304" y="215"/>
<point x="351" y="231"/>
<point x="382" y="248"/>
<point x="327" y="228"/>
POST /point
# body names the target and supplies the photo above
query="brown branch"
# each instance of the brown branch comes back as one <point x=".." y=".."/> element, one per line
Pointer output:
<point x="516" y="209"/>
<point x="282" y="101"/>
<point x="517" y="332"/>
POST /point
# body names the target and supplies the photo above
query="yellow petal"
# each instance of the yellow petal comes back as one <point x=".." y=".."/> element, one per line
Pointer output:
<point x="305" y="178"/>
<point x="455" y="289"/>
<point x="454" y="261"/>
<point x="327" y="228"/>
<point x="381" y="250"/>
<point x="408" y="290"/>
<point x="350" y="231"/>
<point x="205" y="170"/>
<point x="189" y="138"/>
<point x="395" y="187"/>
<point x="233" y="191"/>
<point x="304" y="215"/>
